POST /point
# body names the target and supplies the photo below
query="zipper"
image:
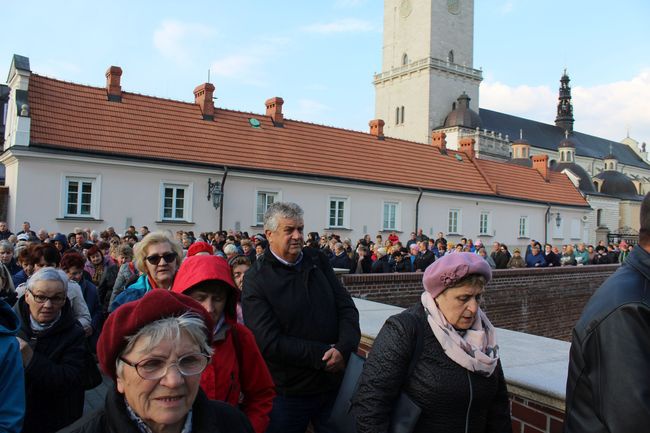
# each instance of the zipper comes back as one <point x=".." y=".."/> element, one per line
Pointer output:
<point x="471" y="397"/>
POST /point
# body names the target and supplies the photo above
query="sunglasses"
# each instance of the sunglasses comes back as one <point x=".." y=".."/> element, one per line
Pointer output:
<point x="155" y="259"/>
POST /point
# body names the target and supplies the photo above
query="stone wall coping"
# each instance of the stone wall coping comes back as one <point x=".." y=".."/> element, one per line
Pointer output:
<point x="532" y="363"/>
<point x="415" y="276"/>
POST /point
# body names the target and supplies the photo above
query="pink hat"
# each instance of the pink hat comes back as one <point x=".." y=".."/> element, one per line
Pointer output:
<point x="448" y="270"/>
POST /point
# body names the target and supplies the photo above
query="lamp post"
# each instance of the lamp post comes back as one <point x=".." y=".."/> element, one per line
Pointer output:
<point x="214" y="193"/>
<point x="558" y="220"/>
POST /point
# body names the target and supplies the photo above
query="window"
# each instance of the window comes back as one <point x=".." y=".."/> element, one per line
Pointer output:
<point x="338" y="212"/>
<point x="523" y="227"/>
<point x="405" y="59"/>
<point x="264" y="200"/>
<point x="176" y="201"/>
<point x="391" y="216"/>
<point x="399" y="115"/>
<point x="484" y="223"/>
<point x="450" y="56"/>
<point x="454" y="221"/>
<point x="81" y="196"/>
<point x="599" y="216"/>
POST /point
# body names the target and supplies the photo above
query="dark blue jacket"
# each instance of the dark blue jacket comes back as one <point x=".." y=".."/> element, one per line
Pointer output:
<point x="12" y="376"/>
<point x="535" y="261"/>
<point x="132" y="293"/>
<point x="19" y="278"/>
<point x="89" y="291"/>
<point x="341" y="261"/>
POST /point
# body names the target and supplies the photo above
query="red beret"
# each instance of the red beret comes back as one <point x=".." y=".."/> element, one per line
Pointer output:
<point x="199" y="247"/>
<point x="128" y="319"/>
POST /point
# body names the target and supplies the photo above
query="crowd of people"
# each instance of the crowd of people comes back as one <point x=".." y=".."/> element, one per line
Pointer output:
<point x="226" y="332"/>
<point x="416" y="254"/>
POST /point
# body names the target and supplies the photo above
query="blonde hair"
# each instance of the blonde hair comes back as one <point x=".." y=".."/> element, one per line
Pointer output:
<point x="140" y="250"/>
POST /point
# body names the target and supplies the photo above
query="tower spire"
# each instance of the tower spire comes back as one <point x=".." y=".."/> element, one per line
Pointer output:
<point x="564" y="117"/>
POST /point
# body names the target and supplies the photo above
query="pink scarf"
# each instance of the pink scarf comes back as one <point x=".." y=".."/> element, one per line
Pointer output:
<point x="476" y="351"/>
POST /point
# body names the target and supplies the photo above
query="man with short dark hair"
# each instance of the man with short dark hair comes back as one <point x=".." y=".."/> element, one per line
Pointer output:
<point x="4" y="231"/>
<point x="27" y="230"/>
<point x="304" y="321"/>
<point x="424" y="258"/>
<point x="609" y="381"/>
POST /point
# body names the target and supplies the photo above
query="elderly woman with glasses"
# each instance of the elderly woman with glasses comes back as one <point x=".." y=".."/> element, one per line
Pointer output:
<point x="157" y="257"/>
<point x="155" y="350"/>
<point x="53" y="348"/>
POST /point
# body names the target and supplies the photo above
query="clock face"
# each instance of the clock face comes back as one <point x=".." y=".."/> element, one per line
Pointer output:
<point x="453" y="6"/>
<point x="405" y="8"/>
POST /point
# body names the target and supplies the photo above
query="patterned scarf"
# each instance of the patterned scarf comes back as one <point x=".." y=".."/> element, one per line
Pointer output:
<point x="98" y="274"/>
<point x="144" y="428"/>
<point x="476" y="351"/>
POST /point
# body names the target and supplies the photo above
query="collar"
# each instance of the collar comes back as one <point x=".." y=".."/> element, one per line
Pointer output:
<point x="286" y="263"/>
<point x="144" y="428"/>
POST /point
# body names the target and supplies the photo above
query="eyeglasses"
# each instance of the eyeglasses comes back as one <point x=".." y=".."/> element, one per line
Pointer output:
<point x="155" y="259"/>
<point x="156" y="368"/>
<point x="41" y="299"/>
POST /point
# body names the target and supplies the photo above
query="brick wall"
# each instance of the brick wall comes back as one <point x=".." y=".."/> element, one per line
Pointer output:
<point x="544" y="302"/>
<point x="529" y="416"/>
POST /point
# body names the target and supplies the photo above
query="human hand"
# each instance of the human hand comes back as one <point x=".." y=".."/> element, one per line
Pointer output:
<point x="26" y="351"/>
<point x="88" y="330"/>
<point x="334" y="361"/>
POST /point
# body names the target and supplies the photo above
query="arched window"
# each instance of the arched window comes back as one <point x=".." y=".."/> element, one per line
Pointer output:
<point x="402" y="115"/>
<point x="597" y="186"/>
<point x="405" y="59"/>
<point x="450" y="56"/>
<point x="397" y="116"/>
<point x="561" y="156"/>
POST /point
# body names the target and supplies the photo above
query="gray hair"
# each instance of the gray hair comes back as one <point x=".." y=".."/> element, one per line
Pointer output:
<point x="230" y="249"/>
<point x="48" y="274"/>
<point x="168" y="328"/>
<point x="6" y="245"/>
<point x="281" y="210"/>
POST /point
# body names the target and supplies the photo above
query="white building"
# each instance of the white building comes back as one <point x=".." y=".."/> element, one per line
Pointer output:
<point x="77" y="155"/>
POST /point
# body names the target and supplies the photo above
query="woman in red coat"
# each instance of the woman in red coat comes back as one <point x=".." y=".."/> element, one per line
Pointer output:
<point x="237" y="373"/>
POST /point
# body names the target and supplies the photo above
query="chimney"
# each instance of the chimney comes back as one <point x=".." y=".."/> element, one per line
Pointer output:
<point x="438" y="140"/>
<point x="274" y="110"/>
<point x="113" y="88"/>
<point x="377" y="128"/>
<point x="203" y="97"/>
<point x="540" y="163"/>
<point x="466" y="145"/>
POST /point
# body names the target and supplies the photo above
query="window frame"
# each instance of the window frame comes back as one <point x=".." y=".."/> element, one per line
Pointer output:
<point x="525" y="233"/>
<point x="277" y="194"/>
<point x="488" y="224"/>
<point x="188" y="196"/>
<point x="95" y="195"/>
<point x="397" y="216"/>
<point x="346" y="212"/>
<point x="458" y="221"/>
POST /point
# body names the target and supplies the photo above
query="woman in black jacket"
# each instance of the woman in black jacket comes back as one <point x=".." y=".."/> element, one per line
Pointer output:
<point x="53" y="347"/>
<point x="457" y="380"/>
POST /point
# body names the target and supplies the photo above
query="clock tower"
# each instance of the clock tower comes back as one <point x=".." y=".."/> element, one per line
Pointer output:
<point x="427" y="64"/>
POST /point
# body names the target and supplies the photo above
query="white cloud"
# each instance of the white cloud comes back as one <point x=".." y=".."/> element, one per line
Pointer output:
<point x="605" y="110"/>
<point x="308" y="109"/>
<point x="345" y="25"/>
<point x="247" y="67"/>
<point x="234" y="65"/>
<point x="176" y="40"/>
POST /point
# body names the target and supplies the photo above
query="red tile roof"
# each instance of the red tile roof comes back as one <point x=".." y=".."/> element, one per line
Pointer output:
<point x="78" y="117"/>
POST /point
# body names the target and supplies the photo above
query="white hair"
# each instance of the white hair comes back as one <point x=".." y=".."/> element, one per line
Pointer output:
<point x="230" y="249"/>
<point x="279" y="210"/>
<point x="48" y="274"/>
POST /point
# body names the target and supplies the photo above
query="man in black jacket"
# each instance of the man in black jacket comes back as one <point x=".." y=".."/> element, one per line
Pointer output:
<point x="609" y="382"/>
<point x="424" y="258"/>
<point x="304" y="322"/>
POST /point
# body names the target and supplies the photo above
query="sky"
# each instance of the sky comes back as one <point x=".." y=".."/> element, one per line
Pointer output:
<point x="320" y="56"/>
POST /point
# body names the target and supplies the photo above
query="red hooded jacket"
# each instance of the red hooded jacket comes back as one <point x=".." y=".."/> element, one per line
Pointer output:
<point x="237" y="374"/>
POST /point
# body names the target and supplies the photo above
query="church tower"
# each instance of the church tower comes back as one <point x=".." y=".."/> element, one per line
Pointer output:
<point x="428" y="55"/>
<point x="564" y="117"/>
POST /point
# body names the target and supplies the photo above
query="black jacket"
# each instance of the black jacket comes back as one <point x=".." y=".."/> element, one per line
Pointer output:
<point x="366" y="264"/>
<point x="551" y="258"/>
<point x="382" y="266"/>
<point x="423" y="260"/>
<point x="441" y="388"/>
<point x="609" y="381"/>
<point x="53" y="378"/>
<point x="501" y="259"/>
<point x="341" y="261"/>
<point x="404" y="265"/>
<point x="296" y="314"/>
<point x="207" y="417"/>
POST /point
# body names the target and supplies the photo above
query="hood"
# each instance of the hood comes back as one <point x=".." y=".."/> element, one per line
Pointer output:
<point x="61" y="238"/>
<point x="196" y="269"/>
<point x="8" y="321"/>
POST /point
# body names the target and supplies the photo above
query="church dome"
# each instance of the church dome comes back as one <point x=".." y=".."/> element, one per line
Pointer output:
<point x="617" y="184"/>
<point x="567" y="142"/>
<point x="462" y="115"/>
<point x="584" y="184"/>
